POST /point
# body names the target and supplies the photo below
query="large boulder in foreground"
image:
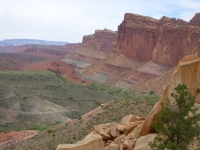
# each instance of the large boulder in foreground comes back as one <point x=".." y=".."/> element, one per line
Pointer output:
<point x="93" y="141"/>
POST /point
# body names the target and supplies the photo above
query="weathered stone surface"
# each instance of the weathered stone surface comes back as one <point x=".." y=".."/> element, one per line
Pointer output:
<point x="131" y="118"/>
<point x="195" y="21"/>
<point x="101" y="40"/>
<point x="131" y="126"/>
<point x="121" y="127"/>
<point x="113" y="147"/>
<point x="175" y="43"/>
<point x="188" y="73"/>
<point x="129" y="145"/>
<point x="142" y="142"/>
<point x="119" y="140"/>
<point x="104" y="130"/>
<point x="113" y="131"/>
<point x="137" y="36"/>
<point x="165" y="41"/>
<point x="93" y="141"/>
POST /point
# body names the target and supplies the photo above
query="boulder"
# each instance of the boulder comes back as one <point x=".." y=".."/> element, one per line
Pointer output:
<point x="112" y="147"/>
<point x="131" y="126"/>
<point x="105" y="130"/>
<point x="121" y="127"/>
<point x="93" y="141"/>
<point x="129" y="145"/>
<point x="142" y="142"/>
<point x="113" y="131"/>
<point x="120" y="139"/>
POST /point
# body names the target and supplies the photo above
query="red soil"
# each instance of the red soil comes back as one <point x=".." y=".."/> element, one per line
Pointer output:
<point x="8" y="137"/>
<point x="59" y="67"/>
<point x="45" y="55"/>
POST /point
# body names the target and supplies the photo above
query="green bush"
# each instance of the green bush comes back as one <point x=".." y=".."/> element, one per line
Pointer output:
<point x="176" y="129"/>
<point x="36" y="127"/>
<point x="151" y="92"/>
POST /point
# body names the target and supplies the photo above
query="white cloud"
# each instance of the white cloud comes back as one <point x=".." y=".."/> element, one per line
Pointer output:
<point x="190" y="7"/>
<point x="69" y="20"/>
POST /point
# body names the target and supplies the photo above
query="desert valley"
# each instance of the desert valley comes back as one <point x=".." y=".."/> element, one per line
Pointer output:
<point x="101" y="94"/>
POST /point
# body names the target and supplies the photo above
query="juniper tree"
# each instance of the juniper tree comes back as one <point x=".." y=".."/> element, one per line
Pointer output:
<point x="177" y="122"/>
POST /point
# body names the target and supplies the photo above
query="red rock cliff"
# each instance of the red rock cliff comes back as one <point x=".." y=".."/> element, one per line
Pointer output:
<point x="137" y="36"/>
<point x="71" y="46"/>
<point x="165" y="41"/>
<point x="102" y="40"/>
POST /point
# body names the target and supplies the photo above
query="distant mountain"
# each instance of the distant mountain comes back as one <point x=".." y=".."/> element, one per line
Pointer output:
<point x="10" y="42"/>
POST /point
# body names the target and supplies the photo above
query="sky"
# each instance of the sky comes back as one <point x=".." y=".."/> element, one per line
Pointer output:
<point x="70" y="20"/>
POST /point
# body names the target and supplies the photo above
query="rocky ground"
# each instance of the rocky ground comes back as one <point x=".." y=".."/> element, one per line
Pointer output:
<point x="74" y="130"/>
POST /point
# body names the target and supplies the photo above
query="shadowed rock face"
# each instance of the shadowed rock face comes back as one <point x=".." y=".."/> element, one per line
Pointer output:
<point x="195" y="21"/>
<point x="101" y="40"/>
<point x="165" y="41"/>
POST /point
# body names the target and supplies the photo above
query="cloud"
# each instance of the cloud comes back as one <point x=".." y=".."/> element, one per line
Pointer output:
<point x="190" y="7"/>
<point x="67" y="20"/>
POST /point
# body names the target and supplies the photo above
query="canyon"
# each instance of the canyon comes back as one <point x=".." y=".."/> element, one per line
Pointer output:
<point x="140" y="56"/>
<point x="145" y="53"/>
<point x="133" y="132"/>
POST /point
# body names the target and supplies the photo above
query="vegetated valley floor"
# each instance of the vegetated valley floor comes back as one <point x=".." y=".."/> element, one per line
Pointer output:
<point x="40" y="99"/>
<point x="75" y="130"/>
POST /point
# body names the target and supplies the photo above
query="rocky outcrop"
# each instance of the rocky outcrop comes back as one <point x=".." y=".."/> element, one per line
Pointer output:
<point x="113" y="136"/>
<point x="188" y="73"/>
<point x="93" y="141"/>
<point x="195" y="21"/>
<point x="134" y="132"/>
<point x="138" y="36"/>
<point x="165" y="41"/>
<point x="101" y="40"/>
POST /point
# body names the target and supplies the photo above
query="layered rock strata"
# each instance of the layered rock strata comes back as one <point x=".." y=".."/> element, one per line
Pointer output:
<point x="101" y="40"/>
<point x="134" y="132"/>
<point x="165" y="41"/>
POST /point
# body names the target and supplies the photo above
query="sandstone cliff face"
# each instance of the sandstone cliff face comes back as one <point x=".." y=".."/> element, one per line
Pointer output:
<point x="165" y="41"/>
<point x="101" y="40"/>
<point x="195" y="21"/>
<point x="137" y="36"/>
<point x="187" y="72"/>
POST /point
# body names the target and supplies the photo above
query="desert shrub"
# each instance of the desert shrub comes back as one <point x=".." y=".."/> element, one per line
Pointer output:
<point x="151" y="92"/>
<point x="92" y="87"/>
<point x="175" y="127"/>
<point x="36" y="127"/>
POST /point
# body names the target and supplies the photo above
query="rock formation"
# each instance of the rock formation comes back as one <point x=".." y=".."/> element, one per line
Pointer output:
<point x="101" y="40"/>
<point x="188" y="73"/>
<point x="71" y="46"/>
<point x="93" y="141"/>
<point x="51" y="50"/>
<point x="134" y="132"/>
<point x="165" y="41"/>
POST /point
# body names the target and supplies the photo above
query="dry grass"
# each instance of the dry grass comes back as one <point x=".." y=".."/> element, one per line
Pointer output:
<point x="74" y="130"/>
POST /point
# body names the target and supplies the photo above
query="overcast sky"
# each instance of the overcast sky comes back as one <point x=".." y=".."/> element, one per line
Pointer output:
<point x="69" y="20"/>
